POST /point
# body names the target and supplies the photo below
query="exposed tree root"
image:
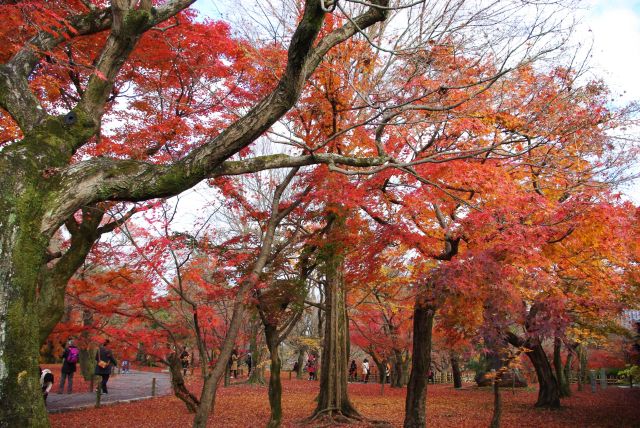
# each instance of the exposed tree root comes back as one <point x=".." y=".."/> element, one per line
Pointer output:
<point x="334" y="416"/>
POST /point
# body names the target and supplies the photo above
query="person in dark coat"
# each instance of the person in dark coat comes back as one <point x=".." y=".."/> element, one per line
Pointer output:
<point x="70" y="358"/>
<point x="353" y="371"/>
<point x="249" y="364"/>
<point x="184" y="360"/>
<point x="104" y="363"/>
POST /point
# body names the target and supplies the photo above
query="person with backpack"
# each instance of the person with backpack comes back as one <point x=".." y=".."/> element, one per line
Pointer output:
<point x="70" y="358"/>
<point x="104" y="364"/>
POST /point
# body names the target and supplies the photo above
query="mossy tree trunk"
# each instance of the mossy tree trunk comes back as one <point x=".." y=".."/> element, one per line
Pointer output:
<point x="31" y="288"/>
<point x="21" y="256"/>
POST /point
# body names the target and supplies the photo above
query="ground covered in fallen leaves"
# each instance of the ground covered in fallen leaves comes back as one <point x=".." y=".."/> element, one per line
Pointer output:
<point x="242" y="405"/>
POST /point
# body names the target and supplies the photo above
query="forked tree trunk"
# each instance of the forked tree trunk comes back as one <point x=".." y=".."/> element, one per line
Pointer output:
<point x="563" y="383"/>
<point x="415" y="404"/>
<point x="333" y="399"/>
<point x="549" y="390"/>
<point x="275" y="384"/>
<point x="457" y="374"/>
<point x="180" y="390"/>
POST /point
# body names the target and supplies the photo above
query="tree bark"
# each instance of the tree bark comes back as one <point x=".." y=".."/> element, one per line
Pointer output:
<point x="567" y="370"/>
<point x="333" y="400"/>
<point x="275" y="384"/>
<point x="415" y="404"/>
<point x="397" y="373"/>
<point x="457" y="374"/>
<point x="256" y="376"/>
<point x="549" y="390"/>
<point x="180" y="390"/>
<point x="559" y="369"/>
<point x="497" y="404"/>
<point x="301" y="353"/>
<point x="22" y="255"/>
<point x="582" y="371"/>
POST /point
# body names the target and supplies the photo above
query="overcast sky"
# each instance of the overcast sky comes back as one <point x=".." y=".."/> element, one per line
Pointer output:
<point x="615" y="31"/>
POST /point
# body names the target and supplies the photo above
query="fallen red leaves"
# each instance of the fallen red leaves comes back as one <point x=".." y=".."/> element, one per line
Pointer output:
<point x="243" y="405"/>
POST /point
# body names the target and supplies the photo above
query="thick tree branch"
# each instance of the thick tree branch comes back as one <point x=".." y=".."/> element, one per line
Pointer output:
<point x="99" y="179"/>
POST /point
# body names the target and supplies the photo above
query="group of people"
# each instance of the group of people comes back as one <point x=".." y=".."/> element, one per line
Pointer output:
<point x="105" y="363"/>
<point x="353" y="371"/>
<point x="234" y="364"/>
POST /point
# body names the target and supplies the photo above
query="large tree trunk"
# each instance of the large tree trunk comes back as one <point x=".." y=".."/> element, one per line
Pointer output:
<point x="567" y="369"/>
<point x="180" y="390"/>
<point x="582" y="370"/>
<point x="333" y="400"/>
<point x="415" y="404"/>
<point x="563" y="383"/>
<point x="301" y="354"/>
<point x="457" y="374"/>
<point x="22" y="254"/>
<point x="397" y="372"/>
<point x="256" y="377"/>
<point x="549" y="391"/>
<point x="275" y="384"/>
<point x="497" y="404"/>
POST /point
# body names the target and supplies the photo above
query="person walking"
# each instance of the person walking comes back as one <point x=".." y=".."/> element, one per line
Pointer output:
<point x="104" y="363"/>
<point x="234" y="364"/>
<point x="70" y="358"/>
<point x="365" y="370"/>
<point x="249" y="362"/>
<point x="353" y="371"/>
<point x="311" y="367"/>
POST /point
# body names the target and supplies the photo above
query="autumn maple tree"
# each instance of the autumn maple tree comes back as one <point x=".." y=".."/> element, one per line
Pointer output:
<point x="108" y="104"/>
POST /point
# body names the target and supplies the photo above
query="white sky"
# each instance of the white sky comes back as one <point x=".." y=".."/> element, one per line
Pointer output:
<point x="615" y="30"/>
